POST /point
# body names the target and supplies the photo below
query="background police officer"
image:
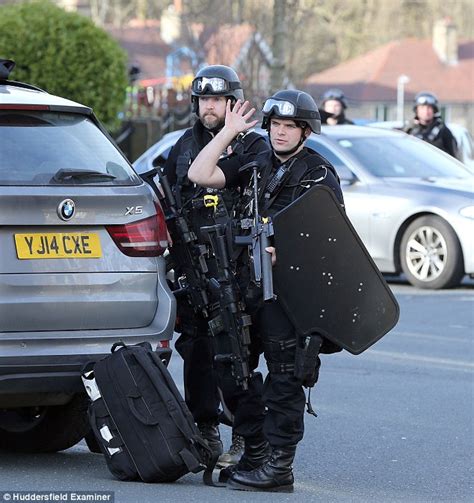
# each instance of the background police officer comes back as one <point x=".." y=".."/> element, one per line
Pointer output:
<point x="285" y="173"/>
<point x="334" y="104"/>
<point x="428" y="124"/>
<point x="211" y="88"/>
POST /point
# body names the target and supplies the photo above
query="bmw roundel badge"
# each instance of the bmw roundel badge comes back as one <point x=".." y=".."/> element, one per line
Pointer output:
<point x="66" y="209"/>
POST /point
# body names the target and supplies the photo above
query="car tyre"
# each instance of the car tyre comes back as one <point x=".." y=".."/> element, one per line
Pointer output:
<point x="430" y="254"/>
<point x="44" y="429"/>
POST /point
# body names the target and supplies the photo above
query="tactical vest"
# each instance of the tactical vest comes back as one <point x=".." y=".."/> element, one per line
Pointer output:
<point x="428" y="133"/>
<point x="191" y="197"/>
<point x="278" y="188"/>
<point x="275" y="193"/>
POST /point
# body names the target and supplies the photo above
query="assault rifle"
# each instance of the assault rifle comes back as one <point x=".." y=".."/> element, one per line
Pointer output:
<point x="230" y="327"/>
<point x="261" y="228"/>
<point x="188" y="253"/>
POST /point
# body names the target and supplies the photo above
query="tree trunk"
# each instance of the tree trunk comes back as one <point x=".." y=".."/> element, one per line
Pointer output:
<point x="278" y="45"/>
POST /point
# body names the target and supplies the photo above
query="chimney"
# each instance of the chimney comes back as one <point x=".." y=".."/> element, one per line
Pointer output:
<point x="445" y="41"/>
<point x="171" y="23"/>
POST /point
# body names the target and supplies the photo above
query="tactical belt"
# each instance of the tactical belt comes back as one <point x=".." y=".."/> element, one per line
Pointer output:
<point x="281" y="368"/>
<point x="276" y="346"/>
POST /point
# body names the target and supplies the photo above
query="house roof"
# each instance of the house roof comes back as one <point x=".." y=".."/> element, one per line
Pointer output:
<point x="144" y="45"/>
<point x="373" y="76"/>
<point x="226" y="45"/>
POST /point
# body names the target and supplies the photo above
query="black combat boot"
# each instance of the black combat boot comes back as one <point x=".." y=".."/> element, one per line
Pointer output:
<point x="210" y="433"/>
<point x="274" y="475"/>
<point x="256" y="452"/>
<point x="233" y="455"/>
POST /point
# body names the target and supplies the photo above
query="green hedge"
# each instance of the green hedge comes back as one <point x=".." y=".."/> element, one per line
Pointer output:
<point x="64" y="53"/>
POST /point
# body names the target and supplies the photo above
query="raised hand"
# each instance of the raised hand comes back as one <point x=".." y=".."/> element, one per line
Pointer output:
<point x="236" y="118"/>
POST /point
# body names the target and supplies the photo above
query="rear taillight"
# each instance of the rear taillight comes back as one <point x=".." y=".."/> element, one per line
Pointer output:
<point x="145" y="238"/>
<point x="9" y="106"/>
<point x="163" y="344"/>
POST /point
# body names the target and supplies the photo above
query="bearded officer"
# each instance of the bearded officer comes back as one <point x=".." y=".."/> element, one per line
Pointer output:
<point x="212" y="87"/>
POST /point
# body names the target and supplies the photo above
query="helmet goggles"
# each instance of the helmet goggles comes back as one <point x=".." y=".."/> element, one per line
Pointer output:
<point x="426" y="100"/>
<point x="213" y="85"/>
<point x="282" y="108"/>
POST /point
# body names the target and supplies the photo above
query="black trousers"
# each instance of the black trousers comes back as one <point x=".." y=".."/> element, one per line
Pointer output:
<point x="283" y="394"/>
<point x="200" y="379"/>
<point x="274" y="408"/>
<point x="245" y="405"/>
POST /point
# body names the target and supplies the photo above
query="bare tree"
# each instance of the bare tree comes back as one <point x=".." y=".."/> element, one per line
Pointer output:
<point x="278" y="44"/>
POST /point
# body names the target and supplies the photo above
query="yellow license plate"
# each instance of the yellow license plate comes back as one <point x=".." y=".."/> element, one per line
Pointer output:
<point x="58" y="245"/>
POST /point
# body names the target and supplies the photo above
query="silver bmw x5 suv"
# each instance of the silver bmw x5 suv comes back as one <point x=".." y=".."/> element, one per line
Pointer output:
<point x="81" y="239"/>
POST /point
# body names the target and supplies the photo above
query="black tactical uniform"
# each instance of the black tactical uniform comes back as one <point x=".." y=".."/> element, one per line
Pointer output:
<point x="195" y="344"/>
<point x="283" y="393"/>
<point x="436" y="132"/>
<point x="334" y="94"/>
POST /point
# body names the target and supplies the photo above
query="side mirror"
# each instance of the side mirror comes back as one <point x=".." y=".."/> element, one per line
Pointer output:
<point x="346" y="176"/>
<point x="149" y="175"/>
<point x="159" y="161"/>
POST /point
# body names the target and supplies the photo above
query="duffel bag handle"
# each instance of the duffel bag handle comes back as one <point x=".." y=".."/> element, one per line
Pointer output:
<point x="165" y="394"/>
<point x="115" y="443"/>
<point x="121" y="344"/>
<point x="88" y="367"/>
<point x="118" y="344"/>
<point x="149" y="421"/>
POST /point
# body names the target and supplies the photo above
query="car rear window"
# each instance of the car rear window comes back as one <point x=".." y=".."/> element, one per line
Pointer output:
<point x="36" y="145"/>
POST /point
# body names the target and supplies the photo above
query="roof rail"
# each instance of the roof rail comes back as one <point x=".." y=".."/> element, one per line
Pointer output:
<point x="21" y="84"/>
<point x="6" y="67"/>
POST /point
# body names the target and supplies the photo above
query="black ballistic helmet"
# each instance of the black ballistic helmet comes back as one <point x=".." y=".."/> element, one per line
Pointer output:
<point x="216" y="80"/>
<point x="426" y="98"/>
<point x="334" y="94"/>
<point x="292" y="104"/>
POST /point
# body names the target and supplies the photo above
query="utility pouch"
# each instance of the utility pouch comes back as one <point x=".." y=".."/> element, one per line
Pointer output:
<point x="307" y="360"/>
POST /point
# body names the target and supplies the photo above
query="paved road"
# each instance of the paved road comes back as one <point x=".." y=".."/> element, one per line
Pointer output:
<point x="395" y="423"/>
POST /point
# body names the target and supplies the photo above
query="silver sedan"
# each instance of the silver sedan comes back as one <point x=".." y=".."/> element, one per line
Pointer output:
<point x="412" y="205"/>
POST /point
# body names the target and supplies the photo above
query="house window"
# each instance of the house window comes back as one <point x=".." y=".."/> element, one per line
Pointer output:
<point x="445" y="113"/>
<point x="381" y="112"/>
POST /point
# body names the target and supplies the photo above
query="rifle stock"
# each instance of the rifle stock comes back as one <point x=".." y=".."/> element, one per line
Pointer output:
<point x="186" y="250"/>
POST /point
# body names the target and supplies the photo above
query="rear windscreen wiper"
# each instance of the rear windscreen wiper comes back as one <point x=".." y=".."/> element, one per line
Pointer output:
<point x="63" y="175"/>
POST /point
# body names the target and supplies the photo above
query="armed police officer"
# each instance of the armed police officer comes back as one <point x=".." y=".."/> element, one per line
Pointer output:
<point x="334" y="106"/>
<point x="212" y="87"/>
<point x="285" y="172"/>
<point x="428" y="124"/>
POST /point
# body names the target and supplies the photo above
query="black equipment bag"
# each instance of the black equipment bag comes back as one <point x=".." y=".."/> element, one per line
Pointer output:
<point x="139" y="418"/>
<point x="325" y="278"/>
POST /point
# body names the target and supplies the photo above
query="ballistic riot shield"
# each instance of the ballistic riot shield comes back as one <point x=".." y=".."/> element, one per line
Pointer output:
<point x="324" y="277"/>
